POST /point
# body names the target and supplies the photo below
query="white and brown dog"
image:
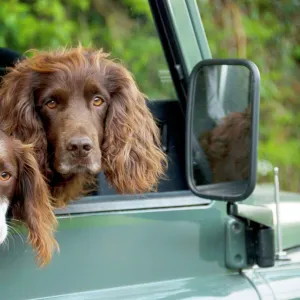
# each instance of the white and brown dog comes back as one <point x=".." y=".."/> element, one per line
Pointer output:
<point x="24" y="190"/>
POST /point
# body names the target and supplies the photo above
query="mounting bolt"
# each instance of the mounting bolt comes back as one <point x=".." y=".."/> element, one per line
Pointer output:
<point x="238" y="258"/>
<point x="236" y="228"/>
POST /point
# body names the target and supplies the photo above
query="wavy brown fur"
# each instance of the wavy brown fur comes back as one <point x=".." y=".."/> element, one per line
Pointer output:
<point x="32" y="204"/>
<point x="64" y="191"/>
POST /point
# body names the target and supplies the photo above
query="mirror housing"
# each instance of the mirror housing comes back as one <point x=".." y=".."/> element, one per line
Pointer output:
<point x="222" y="129"/>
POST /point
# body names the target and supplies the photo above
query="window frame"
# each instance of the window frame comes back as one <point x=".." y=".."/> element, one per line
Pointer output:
<point x="115" y="203"/>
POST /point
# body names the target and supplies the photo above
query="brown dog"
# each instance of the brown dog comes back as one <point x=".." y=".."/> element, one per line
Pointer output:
<point x="24" y="191"/>
<point x="86" y="114"/>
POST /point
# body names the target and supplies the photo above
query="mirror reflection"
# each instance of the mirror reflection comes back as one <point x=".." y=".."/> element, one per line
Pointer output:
<point x="221" y="139"/>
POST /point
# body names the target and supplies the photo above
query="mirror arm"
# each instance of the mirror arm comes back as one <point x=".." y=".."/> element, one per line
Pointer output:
<point x="255" y="213"/>
<point x="252" y="228"/>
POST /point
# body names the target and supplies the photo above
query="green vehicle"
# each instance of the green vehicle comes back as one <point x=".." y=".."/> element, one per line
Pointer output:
<point x="192" y="239"/>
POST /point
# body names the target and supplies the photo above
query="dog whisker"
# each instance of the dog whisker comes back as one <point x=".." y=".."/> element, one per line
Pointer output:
<point x="5" y="244"/>
<point x="14" y="230"/>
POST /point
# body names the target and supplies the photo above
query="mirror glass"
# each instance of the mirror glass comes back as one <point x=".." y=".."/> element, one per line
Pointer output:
<point x="221" y="132"/>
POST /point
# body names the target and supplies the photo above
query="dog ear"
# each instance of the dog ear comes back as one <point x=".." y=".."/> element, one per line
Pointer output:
<point x="17" y="109"/>
<point x="32" y="205"/>
<point x="133" y="161"/>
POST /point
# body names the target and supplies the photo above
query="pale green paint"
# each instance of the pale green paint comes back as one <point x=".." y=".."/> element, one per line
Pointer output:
<point x="198" y="29"/>
<point x="176" y="254"/>
<point x="217" y="287"/>
<point x="185" y="34"/>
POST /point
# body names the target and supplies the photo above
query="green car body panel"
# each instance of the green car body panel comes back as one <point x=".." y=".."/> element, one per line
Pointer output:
<point x="165" y="246"/>
<point x="172" y="253"/>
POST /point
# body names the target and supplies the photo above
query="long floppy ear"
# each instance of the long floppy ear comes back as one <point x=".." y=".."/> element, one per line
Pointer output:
<point x="17" y="109"/>
<point x="32" y="205"/>
<point x="133" y="161"/>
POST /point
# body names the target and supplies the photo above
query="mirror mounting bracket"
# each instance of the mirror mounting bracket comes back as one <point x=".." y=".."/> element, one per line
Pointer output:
<point x="249" y="236"/>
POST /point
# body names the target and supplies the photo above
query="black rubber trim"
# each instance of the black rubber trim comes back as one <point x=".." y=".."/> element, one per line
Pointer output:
<point x="166" y="33"/>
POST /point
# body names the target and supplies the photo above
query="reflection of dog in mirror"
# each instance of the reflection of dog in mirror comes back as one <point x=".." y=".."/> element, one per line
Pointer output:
<point x="227" y="147"/>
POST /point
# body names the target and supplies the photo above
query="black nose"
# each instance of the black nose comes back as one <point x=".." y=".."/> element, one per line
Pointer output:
<point x="80" y="146"/>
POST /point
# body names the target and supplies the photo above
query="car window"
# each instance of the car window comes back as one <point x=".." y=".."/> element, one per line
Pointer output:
<point x="267" y="33"/>
<point x="124" y="28"/>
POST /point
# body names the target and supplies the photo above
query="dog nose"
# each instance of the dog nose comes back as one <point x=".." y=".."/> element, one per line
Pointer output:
<point x="80" y="146"/>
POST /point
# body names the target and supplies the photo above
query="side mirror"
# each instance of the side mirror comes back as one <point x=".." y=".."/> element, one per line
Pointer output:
<point x="222" y="129"/>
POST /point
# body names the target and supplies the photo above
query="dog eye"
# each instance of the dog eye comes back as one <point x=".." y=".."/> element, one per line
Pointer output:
<point x="4" y="176"/>
<point x="97" y="101"/>
<point x="51" y="104"/>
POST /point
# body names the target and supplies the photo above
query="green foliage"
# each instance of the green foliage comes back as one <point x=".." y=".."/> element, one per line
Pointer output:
<point x="264" y="31"/>
<point x="124" y="28"/>
<point x="268" y="33"/>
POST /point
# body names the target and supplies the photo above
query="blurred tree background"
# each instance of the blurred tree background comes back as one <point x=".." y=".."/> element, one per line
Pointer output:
<point x="124" y="28"/>
<point x="264" y="31"/>
<point x="268" y="33"/>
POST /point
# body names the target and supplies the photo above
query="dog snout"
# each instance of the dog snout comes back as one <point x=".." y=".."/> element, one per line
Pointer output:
<point x="79" y="146"/>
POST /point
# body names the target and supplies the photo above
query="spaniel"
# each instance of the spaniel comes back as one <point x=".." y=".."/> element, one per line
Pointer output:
<point x="23" y="190"/>
<point x="86" y="114"/>
<point x="227" y="147"/>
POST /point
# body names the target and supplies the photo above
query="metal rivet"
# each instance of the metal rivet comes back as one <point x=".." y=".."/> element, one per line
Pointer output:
<point x="236" y="228"/>
<point x="238" y="258"/>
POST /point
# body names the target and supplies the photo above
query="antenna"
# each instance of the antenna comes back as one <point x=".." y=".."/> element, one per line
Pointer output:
<point x="280" y="255"/>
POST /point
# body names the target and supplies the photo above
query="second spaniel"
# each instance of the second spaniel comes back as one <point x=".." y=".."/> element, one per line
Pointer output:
<point x="24" y="191"/>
